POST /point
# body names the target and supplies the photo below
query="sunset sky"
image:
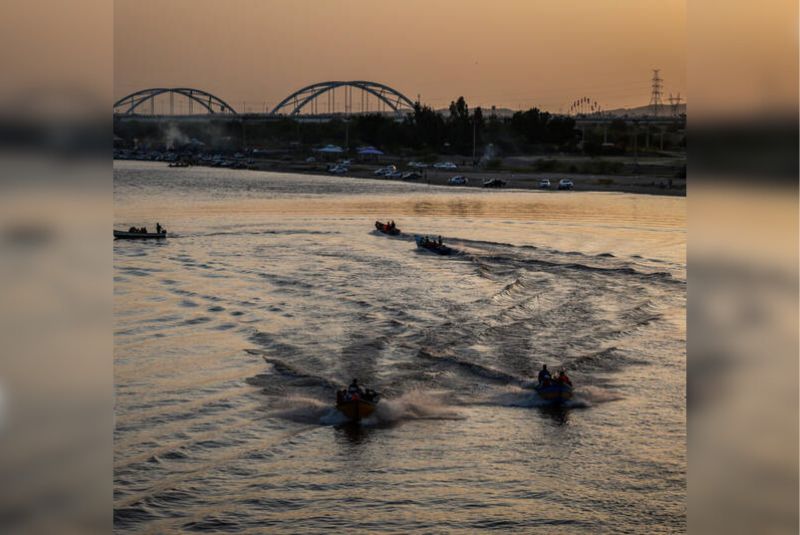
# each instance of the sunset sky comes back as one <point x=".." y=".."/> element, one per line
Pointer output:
<point x="508" y="53"/>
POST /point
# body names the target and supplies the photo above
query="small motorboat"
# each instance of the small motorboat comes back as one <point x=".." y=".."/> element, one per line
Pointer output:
<point x="433" y="246"/>
<point x="124" y="235"/>
<point x="387" y="228"/>
<point x="357" y="407"/>
<point x="554" y="391"/>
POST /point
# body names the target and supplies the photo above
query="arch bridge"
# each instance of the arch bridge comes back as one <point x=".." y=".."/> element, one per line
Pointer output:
<point x="129" y="104"/>
<point x="310" y="96"/>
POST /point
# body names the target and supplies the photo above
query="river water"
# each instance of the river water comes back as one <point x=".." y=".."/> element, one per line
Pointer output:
<point x="272" y="290"/>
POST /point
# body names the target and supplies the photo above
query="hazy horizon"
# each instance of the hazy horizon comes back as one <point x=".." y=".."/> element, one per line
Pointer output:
<point x="516" y="54"/>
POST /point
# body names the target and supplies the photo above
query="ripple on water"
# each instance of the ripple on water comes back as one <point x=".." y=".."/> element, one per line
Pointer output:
<point x="211" y="438"/>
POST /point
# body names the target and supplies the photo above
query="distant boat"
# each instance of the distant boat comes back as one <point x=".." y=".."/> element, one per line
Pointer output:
<point x="124" y="235"/>
<point x="386" y="228"/>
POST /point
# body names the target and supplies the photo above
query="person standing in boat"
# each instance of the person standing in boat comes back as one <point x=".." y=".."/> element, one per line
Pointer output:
<point x="544" y="374"/>
<point x="354" y="388"/>
<point x="158" y="228"/>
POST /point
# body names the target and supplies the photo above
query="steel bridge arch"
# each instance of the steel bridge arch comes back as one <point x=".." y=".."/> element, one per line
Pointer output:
<point x="303" y="96"/>
<point x="204" y="98"/>
<point x="585" y="106"/>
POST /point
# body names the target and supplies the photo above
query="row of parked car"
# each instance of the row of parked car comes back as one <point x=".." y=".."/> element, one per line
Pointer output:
<point x="391" y="171"/>
<point x="439" y="165"/>
<point x="564" y="183"/>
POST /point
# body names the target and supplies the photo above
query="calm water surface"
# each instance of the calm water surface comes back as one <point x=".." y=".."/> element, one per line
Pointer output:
<point x="232" y="335"/>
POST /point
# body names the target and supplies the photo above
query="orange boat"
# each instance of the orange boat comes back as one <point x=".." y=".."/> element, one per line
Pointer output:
<point x="356" y="407"/>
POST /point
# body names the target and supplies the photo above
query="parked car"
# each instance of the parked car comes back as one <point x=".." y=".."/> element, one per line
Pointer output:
<point x="338" y="169"/>
<point x="565" y="183"/>
<point x="544" y="183"/>
<point x="411" y="175"/>
<point x="493" y="183"/>
<point x="458" y="181"/>
<point x="417" y="165"/>
<point x="445" y="165"/>
<point x="385" y="171"/>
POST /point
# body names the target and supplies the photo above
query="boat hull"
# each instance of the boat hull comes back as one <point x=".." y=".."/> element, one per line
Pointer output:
<point x="433" y="247"/>
<point x="356" y="410"/>
<point x="380" y="227"/>
<point x="122" y="235"/>
<point x="555" y="393"/>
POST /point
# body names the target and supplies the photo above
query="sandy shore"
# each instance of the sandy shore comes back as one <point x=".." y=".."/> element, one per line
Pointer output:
<point x="646" y="184"/>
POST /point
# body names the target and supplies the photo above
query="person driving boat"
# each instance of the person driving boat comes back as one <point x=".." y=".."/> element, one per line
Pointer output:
<point x="544" y="374"/>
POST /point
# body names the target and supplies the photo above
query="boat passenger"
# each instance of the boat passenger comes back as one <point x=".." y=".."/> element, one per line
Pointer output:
<point x="562" y="378"/>
<point x="354" y="388"/>
<point x="440" y="241"/>
<point x="132" y="229"/>
<point x="158" y="228"/>
<point x="544" y="375"/>
<point x="144" y="230"/>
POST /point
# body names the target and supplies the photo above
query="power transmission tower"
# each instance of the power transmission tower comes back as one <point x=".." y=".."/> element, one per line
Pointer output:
<point x="656" y="91"/>
<point x="675" y="102"/>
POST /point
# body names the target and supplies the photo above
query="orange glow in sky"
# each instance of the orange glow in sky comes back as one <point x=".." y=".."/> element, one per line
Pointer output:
<point x="508" y="53"/>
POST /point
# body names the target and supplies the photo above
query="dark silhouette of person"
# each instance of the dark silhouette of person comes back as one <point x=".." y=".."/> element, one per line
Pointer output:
<point x="354" y="388"/>
<point x="544" y="375"/>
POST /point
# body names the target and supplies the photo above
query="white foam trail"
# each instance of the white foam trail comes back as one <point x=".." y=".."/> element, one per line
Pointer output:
<point x="301" y="409"/>
<point x="414" y="405"/>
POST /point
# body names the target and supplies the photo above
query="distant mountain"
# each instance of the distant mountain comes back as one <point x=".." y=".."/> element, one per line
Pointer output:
<point x="640" y="111"/>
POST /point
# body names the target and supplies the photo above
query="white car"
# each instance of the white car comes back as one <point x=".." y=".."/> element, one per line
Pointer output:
<point x="544" y="183"/>
<point x="417" y="165"/>
<point x="445" y="165"/>
<point x="458" y="181"/>
<point x="565" y="183"/>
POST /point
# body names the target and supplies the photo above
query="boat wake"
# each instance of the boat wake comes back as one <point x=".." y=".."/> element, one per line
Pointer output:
<point x="414" y="405"/>
<point x="583" y="398"/>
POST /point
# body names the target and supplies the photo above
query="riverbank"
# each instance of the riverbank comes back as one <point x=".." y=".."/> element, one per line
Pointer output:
<point x="645" y="184"/>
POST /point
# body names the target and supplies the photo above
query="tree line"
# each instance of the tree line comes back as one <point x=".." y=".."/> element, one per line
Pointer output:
<point x="422" y="131"/>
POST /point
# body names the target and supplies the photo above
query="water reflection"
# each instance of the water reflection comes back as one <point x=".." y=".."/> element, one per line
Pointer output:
<point x="557" y="413"/>
<point x="353" y="433"/>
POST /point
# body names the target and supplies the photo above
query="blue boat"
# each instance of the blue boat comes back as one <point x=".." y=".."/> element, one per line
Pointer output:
<point x="433" y="246"/>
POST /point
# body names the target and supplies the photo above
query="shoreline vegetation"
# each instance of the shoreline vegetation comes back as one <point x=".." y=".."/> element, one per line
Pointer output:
<point x="597" y="153"/>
